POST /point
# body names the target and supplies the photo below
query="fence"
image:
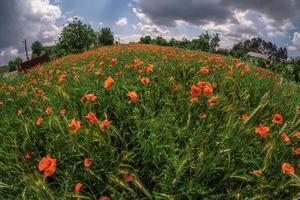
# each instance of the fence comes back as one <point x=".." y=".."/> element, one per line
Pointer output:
<point x="31" y="63"/>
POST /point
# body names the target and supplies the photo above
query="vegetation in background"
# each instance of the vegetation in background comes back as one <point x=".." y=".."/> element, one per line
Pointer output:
<point x="37" y="49"/>
<point x="14" y="64"/>
<point x="149" y="122"/>
<point x="106" y="37"/>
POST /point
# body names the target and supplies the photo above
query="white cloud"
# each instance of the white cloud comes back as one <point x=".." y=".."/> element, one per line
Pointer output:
<point x="141" y="16"/>
<point x="122" y="21"/>
<point x="296" y="39"/>
<point x="152" y="29"/>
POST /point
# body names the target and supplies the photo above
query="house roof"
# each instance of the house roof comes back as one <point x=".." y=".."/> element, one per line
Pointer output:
<point x="259" y="55"/>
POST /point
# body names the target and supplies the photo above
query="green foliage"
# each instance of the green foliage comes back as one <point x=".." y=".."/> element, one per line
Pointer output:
<point x="106" y="36"/>
<point x="14" y="64"/>
<point x="205" y="42"/>
<point x="77" y="37"/>
<point x="37" y="49"/>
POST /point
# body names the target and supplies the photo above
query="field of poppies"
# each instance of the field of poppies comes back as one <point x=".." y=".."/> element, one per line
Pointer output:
<point x="148" y="122"/>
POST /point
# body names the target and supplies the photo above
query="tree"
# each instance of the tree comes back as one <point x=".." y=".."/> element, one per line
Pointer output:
<point x="77" y="37"/>
<point x="14" y="64"/>
<point x="106" y="36"/>
<point x="159" y="40"/>
<point x="37" y="49"/>
<point x="146" y="40"/>
<point x="214" y="42"/>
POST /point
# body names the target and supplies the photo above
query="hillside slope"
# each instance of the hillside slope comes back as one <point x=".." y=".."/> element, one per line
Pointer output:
<point x="167" y="124"/>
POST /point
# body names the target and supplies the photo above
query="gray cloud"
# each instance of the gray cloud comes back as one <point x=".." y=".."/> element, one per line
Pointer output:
<point x="199" y="12"/>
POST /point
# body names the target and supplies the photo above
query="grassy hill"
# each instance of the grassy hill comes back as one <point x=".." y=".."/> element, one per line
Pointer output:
<point x="168" y="124"/>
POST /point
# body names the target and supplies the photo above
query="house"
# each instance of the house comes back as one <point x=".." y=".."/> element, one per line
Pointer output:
<point x="259" y="55"/>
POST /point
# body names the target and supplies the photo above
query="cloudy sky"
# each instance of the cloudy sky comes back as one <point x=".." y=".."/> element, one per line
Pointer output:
<point x="273" y="20"/>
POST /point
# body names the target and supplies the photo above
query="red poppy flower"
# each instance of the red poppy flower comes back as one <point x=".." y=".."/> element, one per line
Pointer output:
<point x="245" y="117"/>
<point x="204" y="70"/>
<point x="91" y="117"/>
<point x="39" y="121"/>
<point x="128" y="177"/>
<point x="262" y="131"/>
<point x="287" y="168"/>
<point x="195" y="100"/>
<point x="49" y="111"/>
<point x="201" y="84"/>
<point x="89" y="97"/>
<point x="109" y="82"/>
<point x="296" y="151"/>
<point x="105" y="124"/>
<point x="195" y="91"/>
<point x="297" y="134"/>
<point x="47" y="165"/>
<point x="78" y="187"/>
<point x="208" y="89"/>
<point x="149" y="68"/>
<point x="133" y="96"/>
<point x="284" y="137"/>
<point x="145" y="80"/>
<point x="277" y="119"/>
<point x="87" y="162"/>
<point x="74" y="125"/>
<point x="104" y="198"/>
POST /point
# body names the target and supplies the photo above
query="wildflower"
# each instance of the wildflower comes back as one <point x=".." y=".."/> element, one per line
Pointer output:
<point x="201" y="84"/>
<point x="204" y="70"/>
<point x="78" y="187"/>
<point x="208" y="89"/>
<point x="195" y="91"/>
<point x="88" y="97"/>
<point x="62" y="78"/>
<point x="149" y="68"/>
<point x="277" y="119"/>
<point x="133" y="96"/>
<point x="297" y="134"/>
<point x="145" y="80"/>
<point x="91" y="117"/>
<point x="296" y="151"/>
<point x="87" y="162"/>
<point x="213" y="101"/>
<point x="101" y="64"/>
<point x="74" y="125"/>
<point x="245" y="117"/>
<point x="1" y="104"/>
<point x="47" y="165"/>
<point x="195" y="100"/>
<point x="257" y="172"/>
<point x="39" y="121"/>
<point x="104" y="198"/>
<point x="128" y="177"/>
<point x="19" y="113"/>
<point x="284" y="137"/>
<point x="105" y="124"/>
<point x="262" y="131"/>
<point x="287" y="168"/>
<point x="109" y="82"/>
<point x="49" y="111"/>
<point x="174" y="87"/>
<point x="113" y="61"/>
<point x="202" y="115"/>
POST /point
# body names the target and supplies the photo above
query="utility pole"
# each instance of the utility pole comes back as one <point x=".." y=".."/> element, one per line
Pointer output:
<point x="26" y="49"/>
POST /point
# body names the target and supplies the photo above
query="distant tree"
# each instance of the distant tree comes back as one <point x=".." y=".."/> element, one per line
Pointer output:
<point x="159" y="40"/>
<point x="77" y="37"/>
<point x="14" y="64"/>
<point x="37" y="49"/>
<point x="146" y="40"/>
<point x="106" y="36"/>
<point x="214" y="42"/>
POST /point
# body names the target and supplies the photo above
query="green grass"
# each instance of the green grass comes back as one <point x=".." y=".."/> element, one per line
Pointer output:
<point x="160" y="140"/>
